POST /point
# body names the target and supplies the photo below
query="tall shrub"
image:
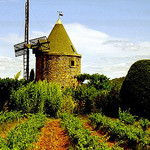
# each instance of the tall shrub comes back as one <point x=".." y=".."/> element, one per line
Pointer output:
<point x="38" y="97"/>
<point x="84" y="95"/>
<point x="113" y="99"/>
<point x="6" y="85"/>
<point x="135" y="91"/>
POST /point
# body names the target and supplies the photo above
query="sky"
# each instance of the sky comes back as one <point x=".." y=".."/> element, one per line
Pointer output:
<point x="109" y="34"/>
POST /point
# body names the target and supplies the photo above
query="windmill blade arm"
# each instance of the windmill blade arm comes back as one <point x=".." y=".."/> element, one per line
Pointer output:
<point x="36" y="40"/>
<point x="20" y="52"/>
<point x="20" y="46"/>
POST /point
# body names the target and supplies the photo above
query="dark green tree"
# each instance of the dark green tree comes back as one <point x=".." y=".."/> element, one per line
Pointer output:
<point x="32" y="75"/>
<point x="98" y="81"/>
<point x="135" y="91"/>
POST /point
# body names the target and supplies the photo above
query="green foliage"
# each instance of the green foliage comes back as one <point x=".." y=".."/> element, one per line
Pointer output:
<point x="118" y="81"/>
<point x="85" y="97"/>
<point x="69" y="91"/>
<point x="80" y="136"/>
<point x="99" y="93"/>
<point x="100" y="82"/>
<point x="144" y="123"/>
<point x="9" y="116"/>
<point x="24" y="134"/>
<point x="38" y="97"/>
<point x="136" y="88"/>
<point x="3" y="145"/>
<point x="68" y="105"/>
<point x="6" y="85"/>
<point x="126" y="117"/>
<point x="113" y="101"/>
<point x="101" y="101"/>
<point x="83" y="77"/>
<point x="90" y="99"/>
<point x="117" y="129"/>
<point x="16" y="77"/>
<point x="53" y="98"/>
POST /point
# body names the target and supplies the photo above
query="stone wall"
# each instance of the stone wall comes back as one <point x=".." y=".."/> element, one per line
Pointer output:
<point x="58" y="69"/>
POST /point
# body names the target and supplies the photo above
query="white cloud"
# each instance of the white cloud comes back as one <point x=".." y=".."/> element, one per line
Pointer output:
<point x="105" y="54"/>
<point x="101" y="53"/>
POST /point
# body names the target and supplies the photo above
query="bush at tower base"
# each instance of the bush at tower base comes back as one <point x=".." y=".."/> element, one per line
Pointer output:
<point x="135" y="91"/>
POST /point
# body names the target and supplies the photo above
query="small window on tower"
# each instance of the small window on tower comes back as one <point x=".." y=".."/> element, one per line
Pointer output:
<point x="72" y="62"/>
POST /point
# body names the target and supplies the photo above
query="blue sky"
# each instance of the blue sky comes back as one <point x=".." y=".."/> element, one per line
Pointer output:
<point x="110" y="34"/>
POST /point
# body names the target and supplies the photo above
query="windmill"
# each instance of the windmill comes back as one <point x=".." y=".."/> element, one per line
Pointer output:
<point x="36" y="44"/>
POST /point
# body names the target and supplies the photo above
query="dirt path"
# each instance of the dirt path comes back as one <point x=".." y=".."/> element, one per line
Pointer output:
<point x="53" y="137"/>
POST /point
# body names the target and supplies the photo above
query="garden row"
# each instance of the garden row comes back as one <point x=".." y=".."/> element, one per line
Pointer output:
<point x="81" y="137"/>
<point x="24" y="134"/>
<point x="134" y="135"/>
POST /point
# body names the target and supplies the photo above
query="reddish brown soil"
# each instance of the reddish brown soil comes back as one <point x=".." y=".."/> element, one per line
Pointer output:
<point x="53" y="137"/>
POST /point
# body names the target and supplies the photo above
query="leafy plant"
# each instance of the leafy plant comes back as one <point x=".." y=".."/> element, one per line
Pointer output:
<point x="126" y="117"/>
<point x="23" y="135"/>
<point x="67" y="105"/>
<point x="117" y="129"/>
<point x="16" y="77"/>
<point x="144" y="123"/>
<point x="3" y="144"/>
<point x="38" y="97"/>
<point x="69" y="91"/>
<point x="9" y="116"/>
<point x="85" y="97"/>
<point x="80" y="136"/>
<point x="6" y="86"/>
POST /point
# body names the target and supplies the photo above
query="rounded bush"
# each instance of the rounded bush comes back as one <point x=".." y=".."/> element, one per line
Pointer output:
<point x="135" y="91"/>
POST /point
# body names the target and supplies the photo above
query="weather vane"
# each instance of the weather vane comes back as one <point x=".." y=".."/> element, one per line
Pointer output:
<point x="60" y="13"/>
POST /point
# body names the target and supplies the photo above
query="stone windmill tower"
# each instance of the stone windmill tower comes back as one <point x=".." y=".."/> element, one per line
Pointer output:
<point x="61" y="62"/>
<point x="56" y="58"/>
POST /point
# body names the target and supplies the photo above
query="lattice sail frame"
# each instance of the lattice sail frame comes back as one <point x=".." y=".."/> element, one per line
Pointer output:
<point x="22" y="47"/>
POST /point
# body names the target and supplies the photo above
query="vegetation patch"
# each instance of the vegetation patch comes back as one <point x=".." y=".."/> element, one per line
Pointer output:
<point x="133" y="135"/>
<point x="24" y="134"/>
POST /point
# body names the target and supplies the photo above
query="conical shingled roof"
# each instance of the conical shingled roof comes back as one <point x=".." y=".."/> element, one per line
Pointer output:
<point x="60" y="43"/>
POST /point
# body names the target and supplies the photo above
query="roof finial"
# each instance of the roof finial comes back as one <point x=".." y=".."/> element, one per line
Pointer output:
<point x="60" y="13"/>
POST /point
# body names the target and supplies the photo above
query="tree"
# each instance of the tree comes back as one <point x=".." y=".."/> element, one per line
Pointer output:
<point x="135" y="91"/>
<point x="32" y="75"/>
<point x="98" y="81"/>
